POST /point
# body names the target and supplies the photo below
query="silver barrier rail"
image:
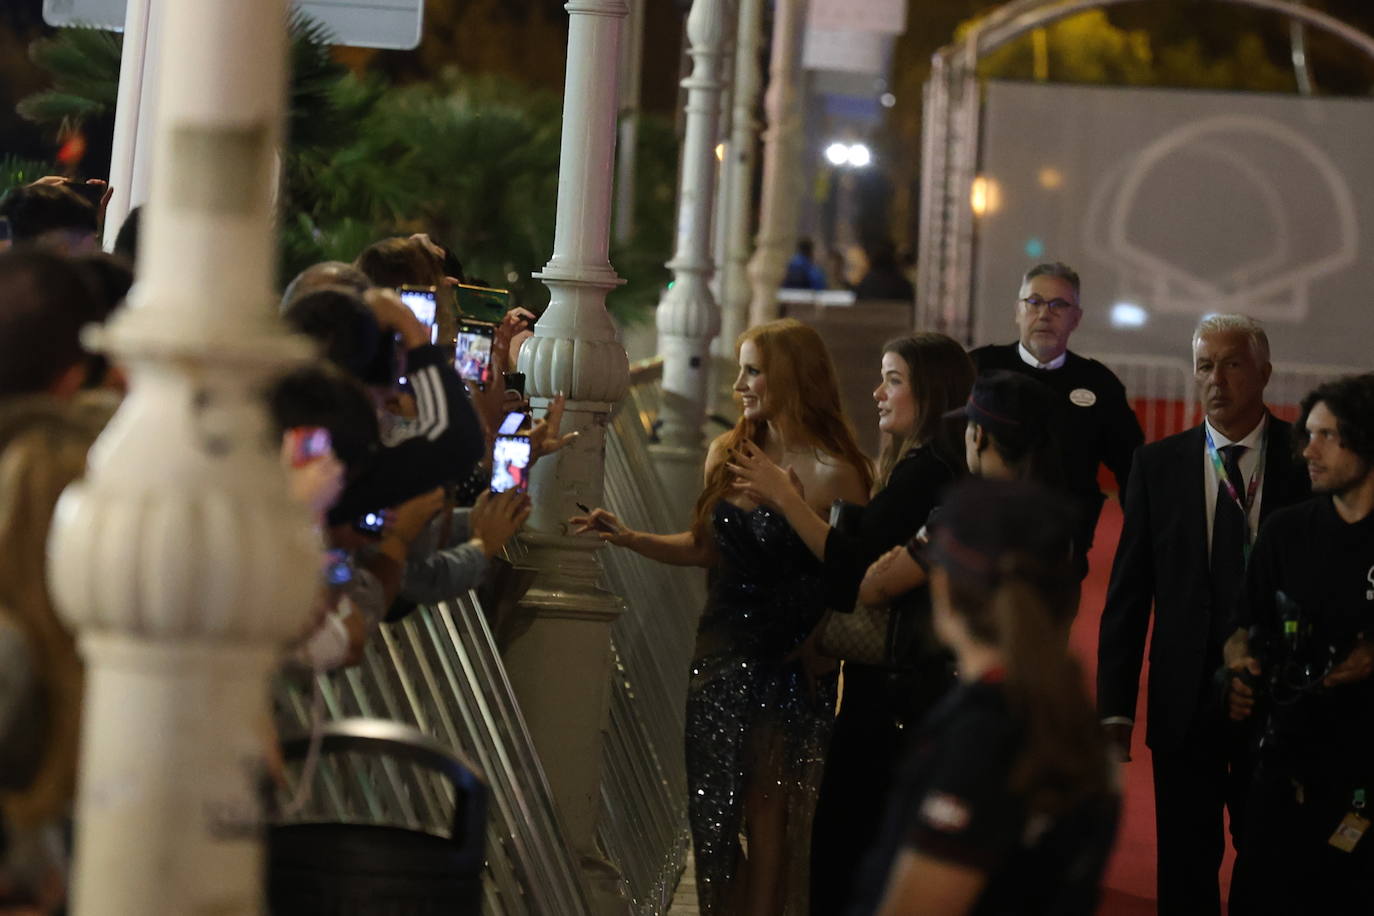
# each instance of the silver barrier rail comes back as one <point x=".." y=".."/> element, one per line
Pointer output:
<point x="439" y="671"/>
<point x="644" y="824"/>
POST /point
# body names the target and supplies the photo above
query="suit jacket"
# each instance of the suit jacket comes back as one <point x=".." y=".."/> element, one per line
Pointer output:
<point x="1162" y="560"/>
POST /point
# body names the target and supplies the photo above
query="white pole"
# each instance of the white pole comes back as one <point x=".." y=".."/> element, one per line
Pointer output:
<point x="631" y="69"/>
<point x="782" y="151"/>
<point x="561" y="665"/>
<point x="688" y="317"/>
<point x="135" y="113"/>
<point x="739" y="166"/>
<point x="179" y="560"/>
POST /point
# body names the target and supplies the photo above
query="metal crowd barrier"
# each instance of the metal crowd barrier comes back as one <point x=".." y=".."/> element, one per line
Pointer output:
<point x="440" y="671"/>
<point x="644" y="819"/>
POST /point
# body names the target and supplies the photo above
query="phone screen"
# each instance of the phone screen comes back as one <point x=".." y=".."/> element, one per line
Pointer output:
<point x="371" y="523"/>
<point x="510" y="462"/>
<point x="422" y="303"/>
<point x="307" y="443"/>
<point x="511" y="424"/>
<point x="472" y="355"/>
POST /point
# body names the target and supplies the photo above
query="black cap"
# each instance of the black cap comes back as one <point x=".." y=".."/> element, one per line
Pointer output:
<point x="1009" y="403"/>
<point x="982" y="522"/>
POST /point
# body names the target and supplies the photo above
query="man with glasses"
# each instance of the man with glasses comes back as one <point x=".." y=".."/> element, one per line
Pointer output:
<point x="1097" y="425"/>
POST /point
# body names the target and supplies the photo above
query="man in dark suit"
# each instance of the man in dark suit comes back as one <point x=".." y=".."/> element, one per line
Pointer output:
<point x="1095" y="424"/>
<point x="1193" y="506"/>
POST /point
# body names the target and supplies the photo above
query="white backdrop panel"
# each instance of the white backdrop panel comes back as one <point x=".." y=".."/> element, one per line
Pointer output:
<point x="1172" y="204"/>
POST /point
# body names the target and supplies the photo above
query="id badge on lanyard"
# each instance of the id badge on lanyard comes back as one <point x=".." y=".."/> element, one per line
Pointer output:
<point x="1231" y="489"/>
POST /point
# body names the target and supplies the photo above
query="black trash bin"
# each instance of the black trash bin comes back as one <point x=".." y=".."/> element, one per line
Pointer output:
<point x="343" y="869"/>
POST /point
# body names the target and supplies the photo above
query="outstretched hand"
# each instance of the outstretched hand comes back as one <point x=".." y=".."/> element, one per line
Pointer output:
<point x="604" y="525"/>
<point x="544" y="437"/>
<point x="760" y="478"/>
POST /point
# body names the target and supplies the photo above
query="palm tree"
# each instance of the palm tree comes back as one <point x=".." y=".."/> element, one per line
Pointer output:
<point x="471" y="159"/>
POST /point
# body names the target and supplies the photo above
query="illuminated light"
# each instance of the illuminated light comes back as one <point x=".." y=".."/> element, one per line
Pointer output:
<point x="720" y="152"/>
<point x="985" y="196"/>
<point x="1128" y="315"/>
<point x="837" y="154"/>
<point x="1035" y="248"/>
<point x="1051" y="178"/>
<point x="860" y="155"/>
<point x="887" y="100"/>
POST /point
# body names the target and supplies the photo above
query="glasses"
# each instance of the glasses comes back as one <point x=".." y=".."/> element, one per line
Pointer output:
<point x="1056" y="306"/>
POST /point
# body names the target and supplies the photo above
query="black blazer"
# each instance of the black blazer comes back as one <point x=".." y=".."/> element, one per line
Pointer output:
<point x="1162" y="560"/>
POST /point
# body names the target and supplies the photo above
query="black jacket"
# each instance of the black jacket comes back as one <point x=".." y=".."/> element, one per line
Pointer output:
<point x="1095" y="426"/>
<point x="1162" y="560"/>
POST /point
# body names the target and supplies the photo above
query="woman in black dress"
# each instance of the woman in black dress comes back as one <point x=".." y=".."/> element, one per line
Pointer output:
<point x="924" y="377"/>
<point x="759" y="706"/>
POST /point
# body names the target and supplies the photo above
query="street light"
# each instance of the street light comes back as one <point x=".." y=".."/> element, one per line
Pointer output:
<point x="854" y="155"/>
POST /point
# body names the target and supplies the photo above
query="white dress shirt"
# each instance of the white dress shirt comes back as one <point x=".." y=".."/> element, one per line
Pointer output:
<point x="1254" y="444"/>
<point x="1029" y="359"/>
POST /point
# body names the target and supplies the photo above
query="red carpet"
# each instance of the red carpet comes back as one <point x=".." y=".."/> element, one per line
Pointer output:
<point x="1130" y="882"/>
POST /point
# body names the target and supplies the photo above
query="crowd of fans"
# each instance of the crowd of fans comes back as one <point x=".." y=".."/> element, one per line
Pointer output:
<point x="385" y="448"/>
<point x="967" y="770"/>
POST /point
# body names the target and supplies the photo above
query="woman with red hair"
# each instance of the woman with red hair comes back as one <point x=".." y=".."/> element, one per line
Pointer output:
<point x="760" y="706"/>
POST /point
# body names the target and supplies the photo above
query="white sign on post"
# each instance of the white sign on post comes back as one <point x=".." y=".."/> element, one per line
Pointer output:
<point x="392" y="24"/>
<point x="886" y="17"/>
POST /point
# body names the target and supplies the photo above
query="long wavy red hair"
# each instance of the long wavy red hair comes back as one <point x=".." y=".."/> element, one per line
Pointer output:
<point x="803" y="401"/>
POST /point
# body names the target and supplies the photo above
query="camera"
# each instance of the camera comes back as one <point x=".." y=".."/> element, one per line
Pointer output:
<point x="1293" y="660"/>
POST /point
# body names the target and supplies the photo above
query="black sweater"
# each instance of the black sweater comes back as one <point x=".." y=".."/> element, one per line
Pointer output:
<point x="890" y="519"/>
<point x="447" y="443"/>
<point x="1096" y="424"/>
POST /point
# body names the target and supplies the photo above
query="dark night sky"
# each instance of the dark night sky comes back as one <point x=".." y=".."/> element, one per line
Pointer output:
<point x="525" y="39"/>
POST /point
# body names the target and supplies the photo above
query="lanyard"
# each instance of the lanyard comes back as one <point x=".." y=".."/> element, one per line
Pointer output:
<point x="1230" y="486"/>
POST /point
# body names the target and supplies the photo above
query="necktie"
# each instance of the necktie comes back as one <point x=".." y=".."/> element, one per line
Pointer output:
<point x="1229" y="536"/>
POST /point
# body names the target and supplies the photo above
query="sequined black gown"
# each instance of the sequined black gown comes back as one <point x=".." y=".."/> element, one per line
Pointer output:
<point x="749" y="710"/>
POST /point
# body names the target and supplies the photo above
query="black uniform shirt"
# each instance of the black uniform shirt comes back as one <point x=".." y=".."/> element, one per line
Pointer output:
<point x="1326" y="565"/>
<point x="1097" y="425"/>
<point x="955" y="803"/>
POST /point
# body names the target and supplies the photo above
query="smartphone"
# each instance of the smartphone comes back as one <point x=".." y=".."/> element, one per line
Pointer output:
<point x="510" y="462"/>
<point x="472" y="354"/>
<point x="93" y="193"/>
<point x="512" y="423"/>
<point x="338" y="568"/>
<point x="306" y="443"/>
<point x="515" y="381"/>
<point x="371" y="523"/>
<point x="424" y="305"/>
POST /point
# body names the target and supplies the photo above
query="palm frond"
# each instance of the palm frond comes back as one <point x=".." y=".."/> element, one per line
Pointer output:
<point x="16" y="171"/>
<point x="52" y="108"/>
<point x="84" y="66"/>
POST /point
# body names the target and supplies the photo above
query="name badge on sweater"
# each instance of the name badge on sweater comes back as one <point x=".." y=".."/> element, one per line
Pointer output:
<point x="1082" y="397"/>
